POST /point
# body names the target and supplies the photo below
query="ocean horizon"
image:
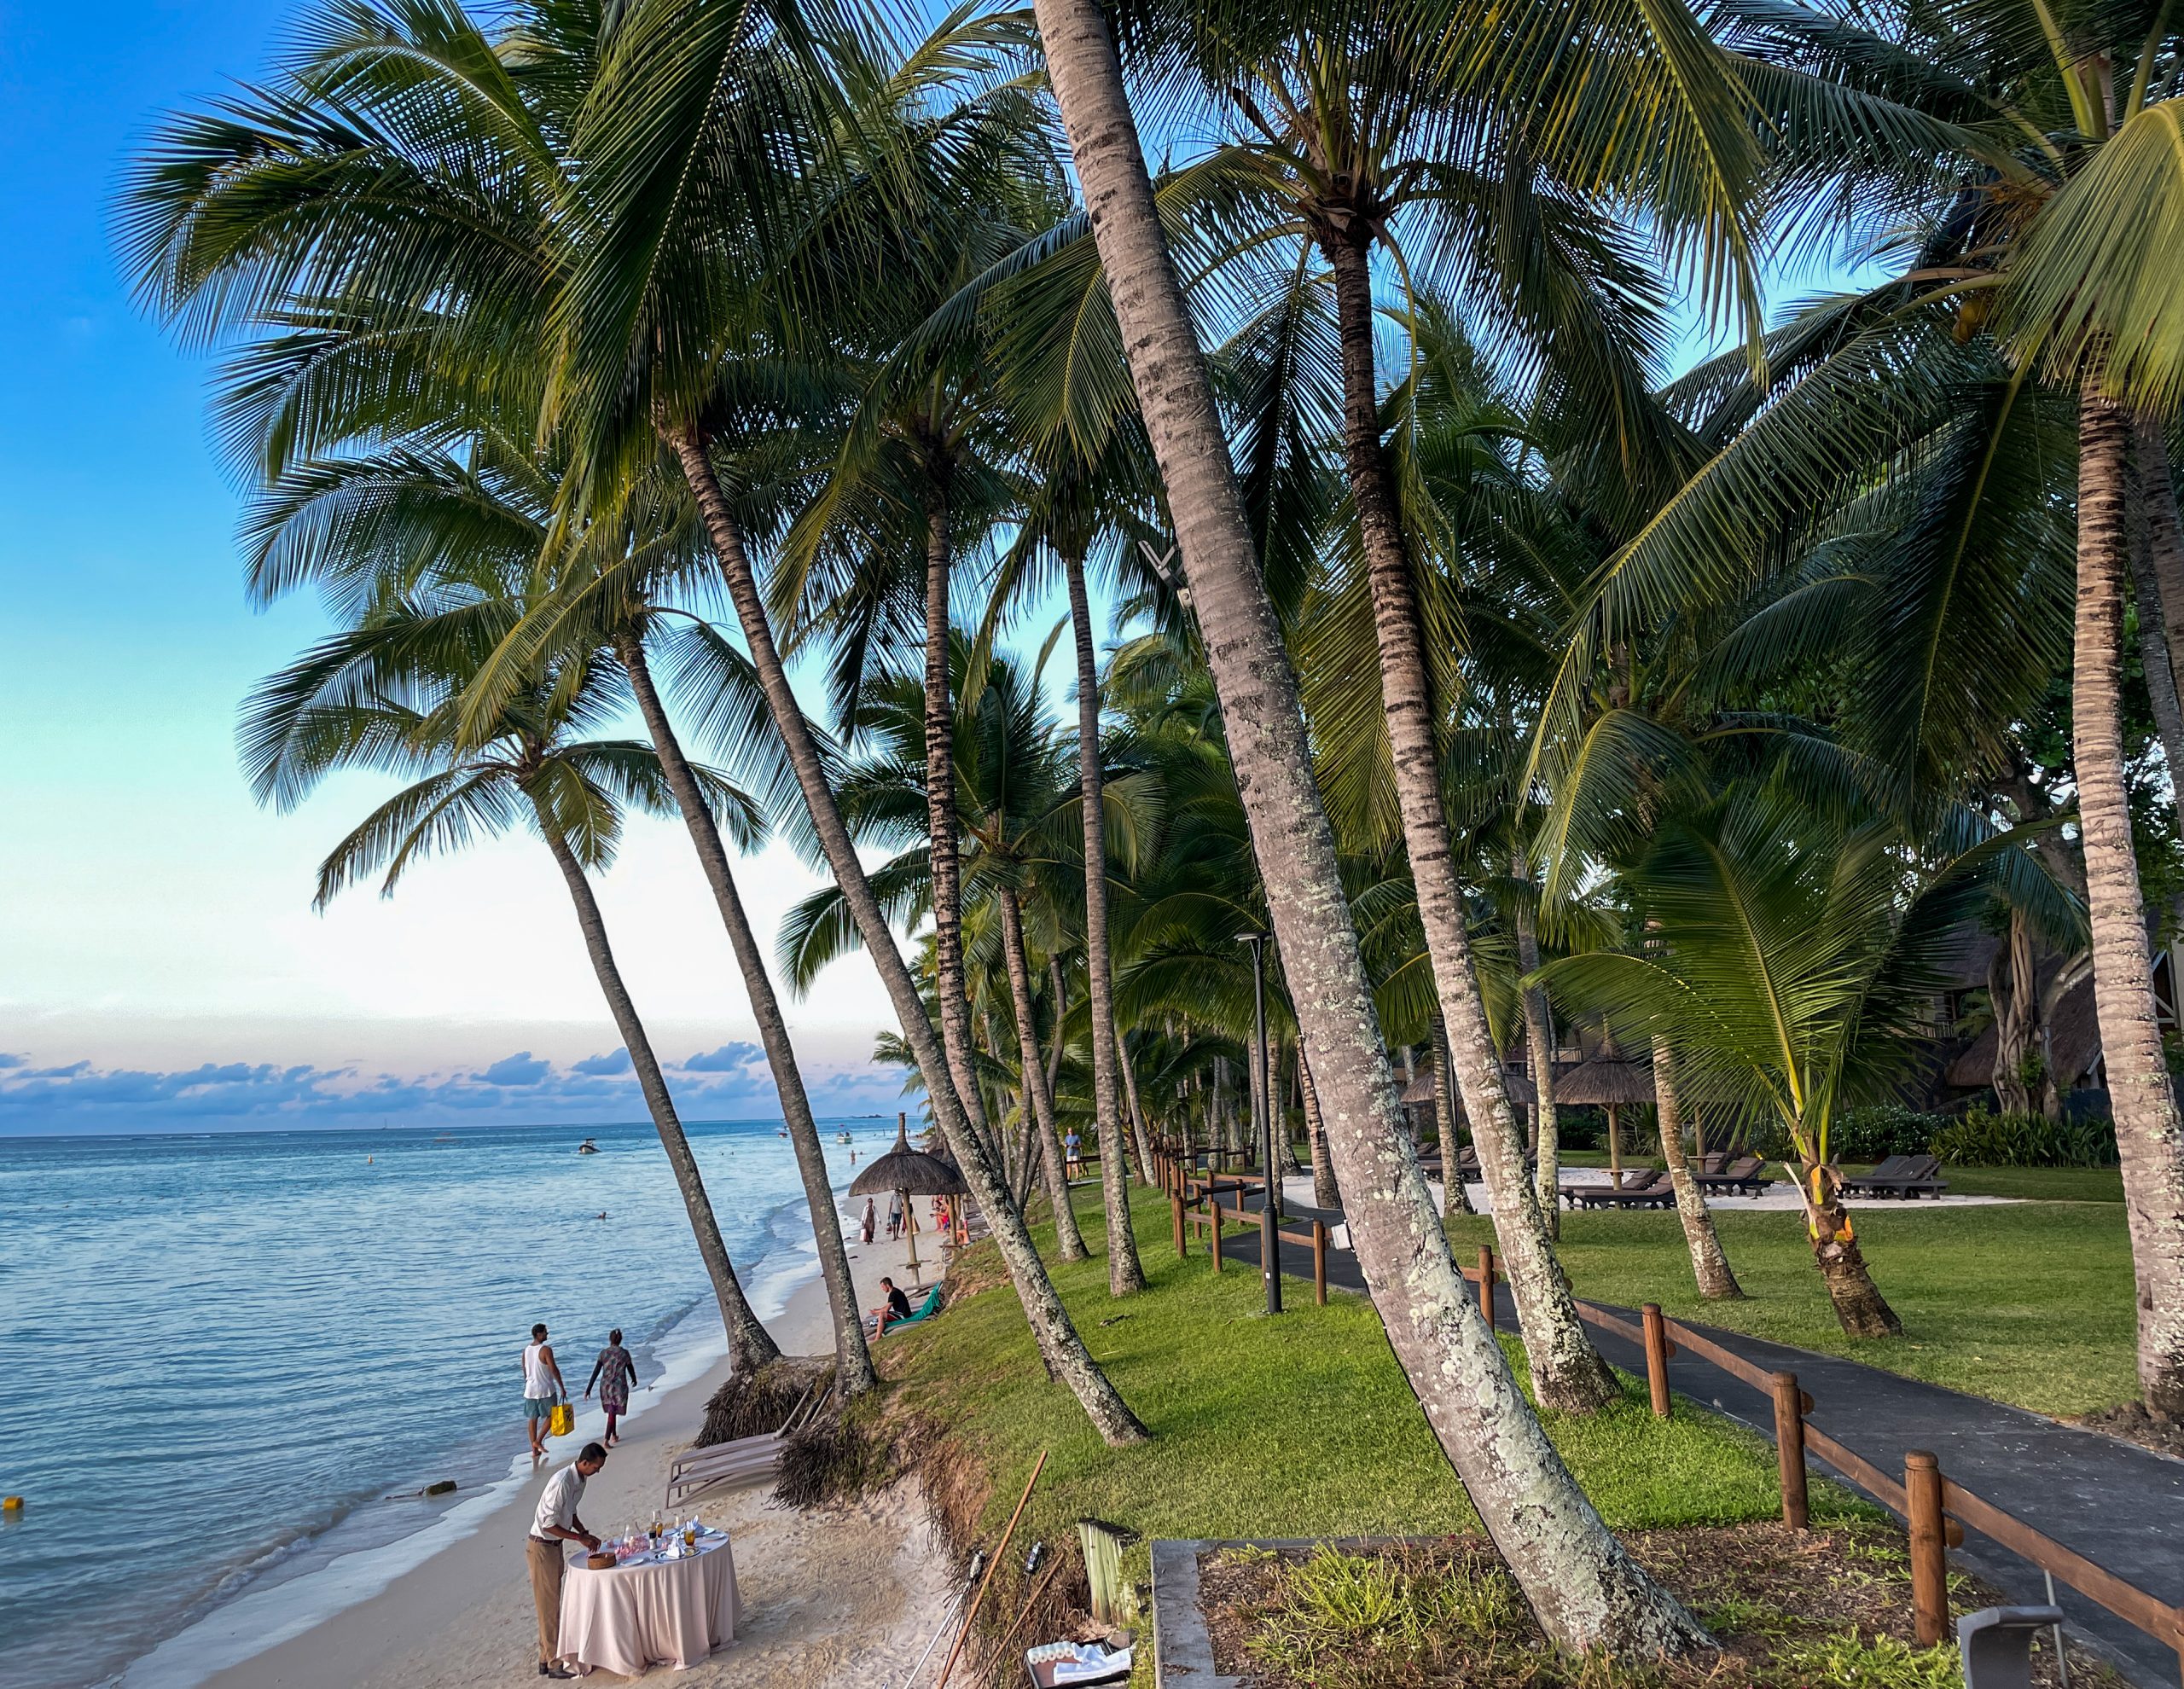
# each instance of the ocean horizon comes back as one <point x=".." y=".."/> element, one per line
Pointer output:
<point x="240" y="1353"/>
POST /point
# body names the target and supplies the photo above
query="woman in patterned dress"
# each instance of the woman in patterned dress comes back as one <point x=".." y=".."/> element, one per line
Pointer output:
<point x="613" y="1372"/>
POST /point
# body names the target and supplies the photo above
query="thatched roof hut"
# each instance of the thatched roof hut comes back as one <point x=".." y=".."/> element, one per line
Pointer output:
<point x="1603" y="1081"/>
<point x="909" y="1170"/>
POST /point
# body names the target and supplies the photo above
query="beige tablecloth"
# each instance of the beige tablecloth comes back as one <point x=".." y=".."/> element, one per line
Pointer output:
<point x="673" y="1613"/>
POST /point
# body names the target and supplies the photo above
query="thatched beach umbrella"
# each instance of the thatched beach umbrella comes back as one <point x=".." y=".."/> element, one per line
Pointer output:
<point x="1608" y="1081"/>
<point x="908" y="1173"/>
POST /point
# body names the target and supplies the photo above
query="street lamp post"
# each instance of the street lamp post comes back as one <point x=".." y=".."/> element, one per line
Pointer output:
<point x="1263" y="1122"/>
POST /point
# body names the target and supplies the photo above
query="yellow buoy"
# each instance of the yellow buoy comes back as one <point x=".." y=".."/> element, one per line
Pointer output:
<point x="11" y="1504"/>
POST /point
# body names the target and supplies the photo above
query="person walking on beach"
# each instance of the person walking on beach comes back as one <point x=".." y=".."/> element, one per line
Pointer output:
<point x="541" y="1388"/>
<point x="613" y="1372"/>
<point x="554" y="1524"/>
<point x="894" y="1216"/>
<point x="871" y="1218"/>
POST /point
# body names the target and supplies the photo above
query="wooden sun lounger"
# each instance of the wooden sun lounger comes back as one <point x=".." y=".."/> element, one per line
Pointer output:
<point x="1744" y="1176"/>
<point x="744" y="1459"/>
<point x="1901" y="1176"/>
<point x="1651" y="1189"/>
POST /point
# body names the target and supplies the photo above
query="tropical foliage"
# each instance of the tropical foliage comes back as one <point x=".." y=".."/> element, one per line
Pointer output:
<point x="1533" y="683"/>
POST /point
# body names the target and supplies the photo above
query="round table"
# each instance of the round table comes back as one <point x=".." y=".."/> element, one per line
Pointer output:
<point x="650" y="1612"/>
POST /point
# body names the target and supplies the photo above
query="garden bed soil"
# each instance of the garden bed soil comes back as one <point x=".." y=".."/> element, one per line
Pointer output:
<point x="2132" y="1423"/>
<point x="1828" y="1607"/>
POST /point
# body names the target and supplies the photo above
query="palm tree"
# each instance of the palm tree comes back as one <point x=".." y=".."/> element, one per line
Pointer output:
<point x="1584" y="1588"/>
<point x="677" y="297"/>
<point x="2048" y="141"/>
<point x="385" y="697"/>
<point x="323" y="206"/>
<point x="1796" y="957"/>
<point x="1005" y="769"/>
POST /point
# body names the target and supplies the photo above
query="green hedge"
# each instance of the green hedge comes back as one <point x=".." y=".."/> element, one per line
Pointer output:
<point x="1979" y="1138"/>
<point x="1984" y="1140"/>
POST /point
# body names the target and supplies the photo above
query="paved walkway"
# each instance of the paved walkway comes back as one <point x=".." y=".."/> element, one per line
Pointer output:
<point x="2120" y="1506"/>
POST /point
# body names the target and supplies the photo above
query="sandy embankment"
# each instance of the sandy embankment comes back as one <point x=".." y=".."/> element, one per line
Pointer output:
<point x="840" y="1596"/>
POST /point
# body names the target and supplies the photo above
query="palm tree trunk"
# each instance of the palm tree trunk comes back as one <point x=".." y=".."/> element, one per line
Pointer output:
<point x="1539" y="1043"/>
<point x="1125" y="1272"/>
<point x="1039" y="1093"/>
<point x="1454" y="1198"/>
<point x="2149" y="1133"/>
<point x="1567" y="1371"/>
<point x="1709" y="1264"/>
<point x="1326" y="1193"/>
<point x="1140" y="1127"/>
<point x="1584" y="1588"/>
<point x="1860" y="1307"/>
<point x="950" y="986"/>
<point x="749" y="1345"/>
<point x="852" y="1360"/>
<point x="2163" y="539"/>
<point x="1059" y="1344"/>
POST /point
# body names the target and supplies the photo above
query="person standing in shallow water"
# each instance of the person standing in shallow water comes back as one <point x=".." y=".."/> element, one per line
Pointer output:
<point x="613" y="1372"/>
<point x="541" y="1388"/>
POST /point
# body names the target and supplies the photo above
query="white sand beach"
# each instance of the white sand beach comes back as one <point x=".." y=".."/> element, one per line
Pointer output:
<point x="844" y="1595"/>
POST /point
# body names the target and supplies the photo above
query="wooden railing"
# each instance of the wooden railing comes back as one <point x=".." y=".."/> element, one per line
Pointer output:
<point x="1935" y="1508"/>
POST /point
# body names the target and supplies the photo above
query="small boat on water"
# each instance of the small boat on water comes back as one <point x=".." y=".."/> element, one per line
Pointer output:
<point x="589" y="1146"/>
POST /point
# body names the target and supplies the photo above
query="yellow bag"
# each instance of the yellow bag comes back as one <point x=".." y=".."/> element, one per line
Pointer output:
<point x="563" y="1420"/>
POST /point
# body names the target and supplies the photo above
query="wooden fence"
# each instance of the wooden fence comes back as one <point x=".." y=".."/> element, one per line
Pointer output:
<point x="1935" y="1508"/>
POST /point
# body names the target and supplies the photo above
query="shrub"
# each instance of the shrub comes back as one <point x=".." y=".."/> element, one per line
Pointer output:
<point x="1981" y="1139"/>
<point x="1878" y="1130"/>
<point x="1582" y="1127"/>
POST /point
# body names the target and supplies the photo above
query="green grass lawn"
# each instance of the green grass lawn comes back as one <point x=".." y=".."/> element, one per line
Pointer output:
<point x="2030" y="1304"/>
<point x="1297" y="1426"/>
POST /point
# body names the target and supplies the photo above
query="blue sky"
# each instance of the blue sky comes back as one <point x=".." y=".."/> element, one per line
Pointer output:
<point x="159" y="959"/>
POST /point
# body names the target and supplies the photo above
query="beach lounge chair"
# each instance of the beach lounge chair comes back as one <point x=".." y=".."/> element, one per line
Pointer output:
<point x="879" y="1326"/>
<point x="1743" y="1176"/>
<point x="745" y="1459"/>
<point x="1649" y="1189"/>
<point x="1901" y="1176"/>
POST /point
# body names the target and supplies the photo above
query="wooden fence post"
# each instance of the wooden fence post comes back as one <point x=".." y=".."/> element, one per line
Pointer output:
<point x="1486" y="1283"/>
<point x="1176" y="1213"/>
<point x="1320" y="1262"/>
<point x="1269" y="1257"/>
<point x="1213" y="1232"/>
<point x="1922" y="1496"/>
<point x="1657" y="1358"/>
<point x="1790" y="1449"/>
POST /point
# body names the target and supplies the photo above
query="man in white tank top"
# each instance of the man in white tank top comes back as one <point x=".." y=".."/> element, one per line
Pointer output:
<point x="541" y="1388"/>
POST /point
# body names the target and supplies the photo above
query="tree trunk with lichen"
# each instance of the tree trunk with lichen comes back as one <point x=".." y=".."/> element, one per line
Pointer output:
<point x="1584" y="1588"/>
<point x="1061" y="1345"/>
<point x="1039" y="1093"/>
<point x="2149" y="1131"/>
<point x="1567" y="1371"/>
<point x="1126" y="1274"/>
<point x="749" y="1346"/>
<point x="1710" y="1263"/>
<point x="852" y="1359"/>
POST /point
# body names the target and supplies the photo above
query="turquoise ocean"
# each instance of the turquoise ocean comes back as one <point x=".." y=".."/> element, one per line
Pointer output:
<point x="230" y="1361"/>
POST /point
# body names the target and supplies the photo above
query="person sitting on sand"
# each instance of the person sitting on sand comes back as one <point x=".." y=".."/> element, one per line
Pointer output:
<point x="897" y="1307"/>
<point x="541" y="1388"/>
<point x="554" y="1524"/>
<point x="613" y="1372"/>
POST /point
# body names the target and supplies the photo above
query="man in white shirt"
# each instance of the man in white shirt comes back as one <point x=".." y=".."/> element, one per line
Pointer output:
<point x="554" y="1524"/>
